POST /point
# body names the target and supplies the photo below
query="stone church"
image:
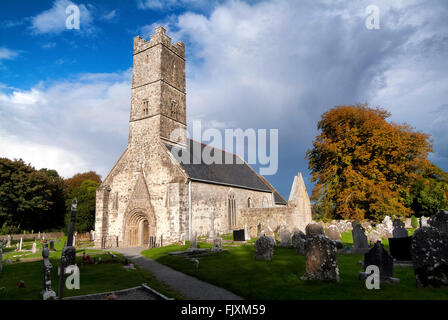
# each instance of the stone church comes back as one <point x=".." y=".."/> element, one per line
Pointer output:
<point x="149" y="198"/>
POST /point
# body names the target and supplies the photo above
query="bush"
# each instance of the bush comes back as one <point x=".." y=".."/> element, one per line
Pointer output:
<point x="414" y="222"/>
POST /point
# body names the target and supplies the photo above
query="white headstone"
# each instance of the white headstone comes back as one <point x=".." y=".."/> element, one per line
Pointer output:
<point x="34" y="249"/>
<point x="246" y="233"/>
<point x="8" y="244"/>
<point x="20" y="246"/>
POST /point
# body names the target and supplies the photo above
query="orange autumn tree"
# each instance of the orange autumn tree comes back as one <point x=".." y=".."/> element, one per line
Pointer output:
<point x="363" y="166"/>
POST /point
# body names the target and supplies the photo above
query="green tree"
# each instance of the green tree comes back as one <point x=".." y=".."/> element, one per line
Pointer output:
<point x="363" y="166"/>
<point x="85" y="194"/>
<point x="429" y="193"/>
<point x="30" y="199"/>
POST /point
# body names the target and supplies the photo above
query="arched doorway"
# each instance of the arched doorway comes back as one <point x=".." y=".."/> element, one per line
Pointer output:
<point x="138" y="229"/>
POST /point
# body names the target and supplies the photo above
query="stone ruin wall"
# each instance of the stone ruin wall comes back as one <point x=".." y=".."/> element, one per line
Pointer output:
<point x="274" y="217"/>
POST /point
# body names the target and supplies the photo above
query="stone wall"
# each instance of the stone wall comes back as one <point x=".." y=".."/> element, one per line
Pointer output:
<point x="210" y="206"/>
<point x="34" y="236"/>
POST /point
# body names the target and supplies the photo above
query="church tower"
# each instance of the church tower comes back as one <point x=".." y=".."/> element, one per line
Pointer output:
<point x="158" y="91"/>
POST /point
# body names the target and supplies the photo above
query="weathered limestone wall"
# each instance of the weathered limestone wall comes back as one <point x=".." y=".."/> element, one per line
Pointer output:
<point x="210" y="206"/>
<point x="162" y="197"/>
<point x="273" y="217"/>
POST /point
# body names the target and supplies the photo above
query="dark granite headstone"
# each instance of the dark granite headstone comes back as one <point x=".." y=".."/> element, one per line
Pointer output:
<point x="400" y="248"/>
<point x="238" y="235"/>
<point x="379" y="256"/>
<point x="430" y="257"/>
<point x="399" y="230"/>
<point x="359" y="237"/>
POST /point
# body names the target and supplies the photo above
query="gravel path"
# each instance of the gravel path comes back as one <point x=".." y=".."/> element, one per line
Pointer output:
<point x="188" y="286"/>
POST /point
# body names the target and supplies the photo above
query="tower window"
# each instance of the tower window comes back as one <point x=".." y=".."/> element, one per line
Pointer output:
<point x="145" y="107"/>
<point x="173" y="109"/>
<point x="249" y="202"/>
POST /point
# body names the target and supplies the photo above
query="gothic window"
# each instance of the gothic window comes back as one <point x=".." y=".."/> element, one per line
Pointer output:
<point x="231" y="209"/>
<point x="249" y="202"/>
<point x="265" y="202"/>
<point x="173" y="109"/>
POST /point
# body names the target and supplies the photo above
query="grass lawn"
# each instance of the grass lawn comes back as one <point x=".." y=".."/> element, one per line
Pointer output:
<point x="27" y="245"/>
<point x="236" y="270"/>
<point x="94" y="278"/>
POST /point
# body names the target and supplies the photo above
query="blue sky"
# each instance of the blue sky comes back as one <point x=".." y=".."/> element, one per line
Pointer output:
<point x="65" y="94"/>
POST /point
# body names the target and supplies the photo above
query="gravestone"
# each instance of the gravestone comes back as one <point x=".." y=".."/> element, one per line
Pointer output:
<point x="268" y="232"/>
<point x="217" y="245"/>
<point x="439" y="221"/>
<point x="400" y="248"/>
<point x="20" y="245"/>
<point x="359" y="237"/>
<point x="246" y="233"/>
<point x="423" y="222"/>
<point x="285" y="237"/>
<point x="429" y="250"/>
<point x="52" y="245"/>
<point x="333" y="233"/>
<point x="379" y="257"/>
<point x="374" y="236"/>
<point x="34" y="248"/>
<point x="314" y="229"/>
<point x="298" y="242"/>
<point x="321" y="259"/>
<point x="194" y="240"/>
<point x="399" y="230"/>
<point x="264" y="248"/>
<point x="92" y="235"/>
<point x="238" y="235"/>
<point x="47" y="292"/>
<point x="8" y="244"/>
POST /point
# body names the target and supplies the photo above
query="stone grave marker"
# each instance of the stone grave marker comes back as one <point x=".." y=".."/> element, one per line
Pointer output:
<point x="34" y="248"/>
<point x="321" y="259"/>
<point x="400" y="248"/>
<point x="379" y="257"/>
<point x="264" y="248"/>
<point x="314" y="229"/>
<point x="8" y="243"/>
<point x="194" y="240"/>
<point x="332" y="233"/>
<point x="20" y="245"/>
<point x="359" y="238"/>
<point x="285" y="238"/>
<point x="217" y="244"/>
<point x="429" y="250"/>
<point x="399" y="230"/>
<point x="374" y="236"/>
<point x="439" y="221"/>
<point x="52" y="245"/>
<point x="298" y="242"/>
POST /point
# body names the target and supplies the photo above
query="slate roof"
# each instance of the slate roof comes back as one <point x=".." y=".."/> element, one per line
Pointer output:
<point x="237" y="174"/>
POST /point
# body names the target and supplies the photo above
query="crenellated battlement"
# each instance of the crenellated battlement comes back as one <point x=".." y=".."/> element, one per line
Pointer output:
<point x="159" y="37"/>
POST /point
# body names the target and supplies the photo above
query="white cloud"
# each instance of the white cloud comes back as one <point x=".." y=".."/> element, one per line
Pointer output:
<point x="110" y="16"/>
<point x="53" y="20"/>
<point x="282" y="63"/>
<point x="69" y="126"/>
<point x="8" y="54"/>
<point x="173" y="4"/>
